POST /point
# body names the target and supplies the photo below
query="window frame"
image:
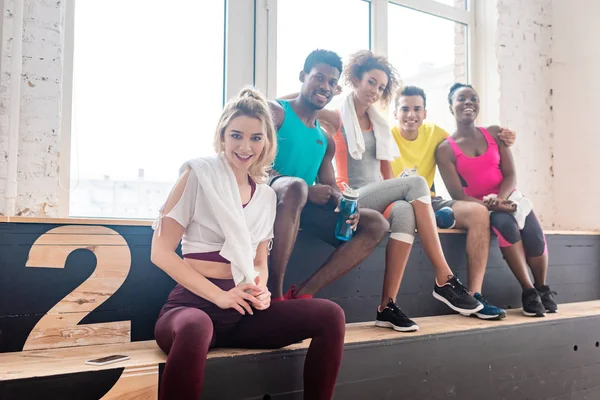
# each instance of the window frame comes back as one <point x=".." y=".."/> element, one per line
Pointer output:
<point x="238" y="55"/>
<point x="251" y="55"/>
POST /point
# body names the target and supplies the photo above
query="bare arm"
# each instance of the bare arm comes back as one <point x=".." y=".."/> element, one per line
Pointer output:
<point x="260" y="262"/>
<point x="507" y="165"/>
<point x="386" y="169"/>
<point x="326" y="174"/>
<point x="446" y="162"/>
<point x="278" y="117"/>
<point x="278" y="114"/>
<point x="163" y="250"/>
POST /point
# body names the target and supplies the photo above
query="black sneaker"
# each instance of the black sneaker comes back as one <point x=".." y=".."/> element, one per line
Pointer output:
<point x="547" y="297"/>
<point x="456" y="296"/>
<point x="532" y="303"/>
<point x="393" y="317"/>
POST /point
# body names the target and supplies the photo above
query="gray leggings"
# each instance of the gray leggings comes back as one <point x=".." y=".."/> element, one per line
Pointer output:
<point x="401" y="192"/>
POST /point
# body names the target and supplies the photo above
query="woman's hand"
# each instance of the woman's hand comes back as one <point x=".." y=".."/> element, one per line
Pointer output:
<point x="500" y="205"/>
<point x="262" y="294"/>
<point x="240" y="298"/>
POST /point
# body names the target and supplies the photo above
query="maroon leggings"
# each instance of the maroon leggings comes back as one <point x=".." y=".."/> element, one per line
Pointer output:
<point x="190" y="325"/>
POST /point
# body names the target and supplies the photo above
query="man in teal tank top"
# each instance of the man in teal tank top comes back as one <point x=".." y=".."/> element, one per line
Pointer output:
<point x="304" y="181"/>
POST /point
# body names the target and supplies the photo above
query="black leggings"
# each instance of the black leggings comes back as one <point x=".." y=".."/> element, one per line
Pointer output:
<point x="187" y="333"/>
<point x="507" y="230"/>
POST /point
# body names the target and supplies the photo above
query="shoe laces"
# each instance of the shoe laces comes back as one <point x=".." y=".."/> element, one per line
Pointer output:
<point x="532" y="299"/>
<point x="483" y="301"/>
<point x="395" y="309"/>
<point x="457" y="287"/>
<point x="548" y="294"/>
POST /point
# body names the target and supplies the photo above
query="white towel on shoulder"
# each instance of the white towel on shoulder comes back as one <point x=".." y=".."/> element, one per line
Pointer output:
<point x="386" y="147"/>
<point x="218" y="184"/>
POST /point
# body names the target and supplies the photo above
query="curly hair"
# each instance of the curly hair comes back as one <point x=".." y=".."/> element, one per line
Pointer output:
<point x="365" y="60"/>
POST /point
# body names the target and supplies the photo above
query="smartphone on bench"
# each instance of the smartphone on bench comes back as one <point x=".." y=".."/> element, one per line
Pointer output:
<point x="107" y="360"/>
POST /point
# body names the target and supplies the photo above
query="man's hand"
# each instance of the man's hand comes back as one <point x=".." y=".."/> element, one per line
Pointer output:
<point x="507" y="136"/>
<point x="319" y="194"/>
<point x="354" y="219"/>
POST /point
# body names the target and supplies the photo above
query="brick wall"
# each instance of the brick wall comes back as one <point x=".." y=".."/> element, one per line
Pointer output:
<point x="39" y="134"/>
<point x="524" y="51"/>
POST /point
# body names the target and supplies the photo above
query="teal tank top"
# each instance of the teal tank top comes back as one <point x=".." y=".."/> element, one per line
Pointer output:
<point x="300" y="149"/>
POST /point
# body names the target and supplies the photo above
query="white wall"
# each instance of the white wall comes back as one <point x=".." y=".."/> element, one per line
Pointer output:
<point x="576" y="85"/>
<point x="524" y="53"/>
<point x="40" y="105"/>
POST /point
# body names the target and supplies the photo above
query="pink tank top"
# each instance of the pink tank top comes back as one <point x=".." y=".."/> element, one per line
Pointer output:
<point x="480" y="175"/>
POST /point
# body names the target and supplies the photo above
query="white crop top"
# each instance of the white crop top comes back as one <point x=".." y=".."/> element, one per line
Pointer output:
<point x="202" y="231"/>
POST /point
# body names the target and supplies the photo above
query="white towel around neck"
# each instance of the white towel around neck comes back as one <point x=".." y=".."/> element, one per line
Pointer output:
<point x="221" y="191"/>
<point x="386" y="147"/>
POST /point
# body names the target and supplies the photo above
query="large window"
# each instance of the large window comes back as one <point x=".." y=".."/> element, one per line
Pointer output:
<point x="147" y="92"/>
<point x="429" y="52"/>
<point x="455" y="3"/>
<point x="149" y="81"/>
<point x="303" y="26"/>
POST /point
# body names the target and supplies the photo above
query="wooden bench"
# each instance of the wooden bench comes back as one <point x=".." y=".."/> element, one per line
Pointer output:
<point x="138" y="377"/>
<point x="74" y="290"/>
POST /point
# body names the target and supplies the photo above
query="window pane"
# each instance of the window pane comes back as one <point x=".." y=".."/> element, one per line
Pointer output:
<point x="456" y="3"/>
<point x="148" y="90"/>
<point x="303" y="26"/>
<point x="432" y="60"/>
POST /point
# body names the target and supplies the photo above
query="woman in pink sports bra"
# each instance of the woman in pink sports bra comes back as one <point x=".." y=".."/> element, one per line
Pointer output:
<point x="474" y="164"/>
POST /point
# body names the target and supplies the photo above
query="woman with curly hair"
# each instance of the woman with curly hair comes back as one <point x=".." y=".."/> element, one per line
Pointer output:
<point x="364" y="149"/>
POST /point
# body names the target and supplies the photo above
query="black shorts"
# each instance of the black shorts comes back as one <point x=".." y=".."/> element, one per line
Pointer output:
<point x="318" y="221"/>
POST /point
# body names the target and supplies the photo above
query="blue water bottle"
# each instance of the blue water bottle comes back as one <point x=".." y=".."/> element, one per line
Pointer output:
<point x="348" y="207"/>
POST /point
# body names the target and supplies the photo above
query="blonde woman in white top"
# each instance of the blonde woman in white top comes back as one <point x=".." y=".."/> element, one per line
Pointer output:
<point x="222" y="213"/>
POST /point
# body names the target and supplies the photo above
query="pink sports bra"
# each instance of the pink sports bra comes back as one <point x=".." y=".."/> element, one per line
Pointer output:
<point x="480" y="175"/>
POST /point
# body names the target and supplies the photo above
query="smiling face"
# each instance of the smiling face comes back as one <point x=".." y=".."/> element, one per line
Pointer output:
<point x="370" y="87"/>
<point x="244" y="140"/>
<point x="410" y="113"/>
<point x="465" y="105"/>
<point x="319" y="85"/>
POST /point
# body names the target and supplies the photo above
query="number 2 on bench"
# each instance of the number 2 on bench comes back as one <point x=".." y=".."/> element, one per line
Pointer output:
<point x="58" y="328"/>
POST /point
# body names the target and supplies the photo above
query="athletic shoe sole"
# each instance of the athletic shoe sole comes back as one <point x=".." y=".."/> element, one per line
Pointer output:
<point x="485" y="316"/>
<point x="530" y="314"/>
<point x="385" y="324"/>
<point x="462" y="311"/>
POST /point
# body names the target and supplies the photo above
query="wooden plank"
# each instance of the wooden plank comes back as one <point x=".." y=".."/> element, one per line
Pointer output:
<point x="523" y="362"/>
<point x="59" y="327"/>
<point x="81" y="221"/>
<point x="135" y="383"/>
<point x="149" y="222"/>
<point x="54" y="256"/>
<point x="82" y="230"/>
<point x="48" y="334"/>
<point x="80" y="240"/>
<point x="27" y="364"/>
<point x="38" y="363"/>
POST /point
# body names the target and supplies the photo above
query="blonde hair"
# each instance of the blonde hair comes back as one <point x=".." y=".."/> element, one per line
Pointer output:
<point x="250" y="103"/>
